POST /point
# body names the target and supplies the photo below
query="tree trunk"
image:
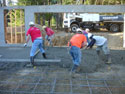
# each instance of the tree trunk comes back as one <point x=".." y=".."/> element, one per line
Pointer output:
<point x="38" y="18"/>
<point x="49" y="21"/>
<point x="103" y="2"/>
<point x="83" y="2"/>
<point x="96" y="2"/>
<point x="43" y="19"/>
<point x="56" y="17"/>
<point x="4" y="2"/>
<point x="60" y="19"/>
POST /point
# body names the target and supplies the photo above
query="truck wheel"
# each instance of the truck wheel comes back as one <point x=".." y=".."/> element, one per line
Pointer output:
<point x="114" y="28"/>
<point x="74" y="27"/>
<point x="121" y="28"/>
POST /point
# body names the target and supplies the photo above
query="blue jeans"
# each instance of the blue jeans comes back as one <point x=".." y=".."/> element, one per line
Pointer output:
<point x="49" y="38"/>
<point x="76" y="55"/>
<point x="38" y="43"/>
<point x="104" y="48"/>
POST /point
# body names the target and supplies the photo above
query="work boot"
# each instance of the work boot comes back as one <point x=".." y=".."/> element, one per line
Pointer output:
<point x="98" y="53"/>
<point x="31" y="64"/>
<point x="32" y="60"/>
<point x="50" y="43"/>
<point x="44" y="55"/>
<point x="78" y="70"/>
<point x="74" y="68"/>
<point x="109" y="61"/>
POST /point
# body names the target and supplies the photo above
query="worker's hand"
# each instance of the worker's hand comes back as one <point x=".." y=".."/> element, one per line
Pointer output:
<point x="25" y="44"/>
<point x="86" y="48"/>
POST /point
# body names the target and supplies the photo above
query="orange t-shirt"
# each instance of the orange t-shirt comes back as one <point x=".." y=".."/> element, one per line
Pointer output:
<point x="77" y="40"/>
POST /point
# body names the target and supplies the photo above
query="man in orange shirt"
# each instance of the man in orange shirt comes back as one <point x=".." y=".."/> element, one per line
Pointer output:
<point x="77" y="42"/>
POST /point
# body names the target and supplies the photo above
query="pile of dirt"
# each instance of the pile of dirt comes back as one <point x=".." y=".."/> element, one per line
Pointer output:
<point x="62" y="40"/>
<point x="114" y="39"/>
<point x="61" y="37"/>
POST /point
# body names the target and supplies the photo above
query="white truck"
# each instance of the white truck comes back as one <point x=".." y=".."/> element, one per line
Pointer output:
<point x="92" y="21"/>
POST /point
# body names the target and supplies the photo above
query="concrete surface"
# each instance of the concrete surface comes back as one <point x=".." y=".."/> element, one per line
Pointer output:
<point x="90" y="61"/>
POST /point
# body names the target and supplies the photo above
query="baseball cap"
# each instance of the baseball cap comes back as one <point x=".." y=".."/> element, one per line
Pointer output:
<point x="44" y="27"/>
<point x="31" y="23"/>
<point x="78" y="30"/>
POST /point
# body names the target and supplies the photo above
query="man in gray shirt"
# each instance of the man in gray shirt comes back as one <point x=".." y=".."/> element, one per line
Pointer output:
<point x="101" y="43"/>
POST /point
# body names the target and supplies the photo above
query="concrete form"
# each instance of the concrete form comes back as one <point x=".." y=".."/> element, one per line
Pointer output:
<point x="27" y="60"/>
<point x="30" y="10"/>
<point x="124" y="33"/>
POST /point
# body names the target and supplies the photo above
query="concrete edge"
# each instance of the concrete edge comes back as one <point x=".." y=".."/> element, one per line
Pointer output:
<point x="28" y="60"/>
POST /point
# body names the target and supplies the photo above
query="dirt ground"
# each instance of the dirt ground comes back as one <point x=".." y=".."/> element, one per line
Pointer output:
<point x="95" y="76"/>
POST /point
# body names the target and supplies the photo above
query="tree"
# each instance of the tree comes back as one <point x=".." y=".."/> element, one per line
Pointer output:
<point x="41" y="18"/>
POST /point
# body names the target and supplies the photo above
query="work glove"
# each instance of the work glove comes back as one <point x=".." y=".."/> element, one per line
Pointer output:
<point x="25" y="44"/>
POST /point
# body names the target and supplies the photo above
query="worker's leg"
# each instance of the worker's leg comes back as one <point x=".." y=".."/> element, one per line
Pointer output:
<point x="41" y="48"/>
<point x="106" y="52"/>
<point x="73" y="59"/>
<point x="72" y="55"/>
<point x="98" y="50"/>
<point x="33" y="50"/>
<point x="76" y="56"/>
<point x="35" y="45"/>
<point x="32" y="60"/>
<point x="50" y="40"/>
<point x="47" y="38"/>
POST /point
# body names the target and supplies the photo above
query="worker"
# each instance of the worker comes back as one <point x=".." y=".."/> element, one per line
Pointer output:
<point x="37" y="40"/>
<point x="77" y="42"/>
<point x="102" y="44"/>
<point x="49" y="34"/>
<point x="85" y="32"/>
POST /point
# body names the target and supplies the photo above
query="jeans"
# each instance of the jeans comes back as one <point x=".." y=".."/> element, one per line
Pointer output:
<point x="76" y="55"/>
<point x="49" y="38"/>
<point x="38" y="43"/>
<point x="104" y="48"/>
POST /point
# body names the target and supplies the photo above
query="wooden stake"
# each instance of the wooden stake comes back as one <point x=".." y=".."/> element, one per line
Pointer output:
<point x="11" y="32"/>
<point x="15" y="28"/>
<point x="5" y="24"/>
<point x="21" y="26"/>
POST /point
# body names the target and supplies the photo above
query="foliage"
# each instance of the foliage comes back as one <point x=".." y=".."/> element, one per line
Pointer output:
<point x="16" y="18"/>
<point x="48" y="16"/>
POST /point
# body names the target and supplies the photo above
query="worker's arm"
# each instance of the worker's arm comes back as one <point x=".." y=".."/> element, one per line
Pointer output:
<point x="27" y="40"/>
<point x="69" y="44"/>
<point x="91" y="44"/>
<point x="84" y="44"/>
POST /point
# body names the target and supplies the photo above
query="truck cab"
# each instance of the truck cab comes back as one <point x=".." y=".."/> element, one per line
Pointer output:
<point x="92" y="21"/>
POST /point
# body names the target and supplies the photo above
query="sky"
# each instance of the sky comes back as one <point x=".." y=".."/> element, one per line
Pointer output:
<point x="12" y="1"/>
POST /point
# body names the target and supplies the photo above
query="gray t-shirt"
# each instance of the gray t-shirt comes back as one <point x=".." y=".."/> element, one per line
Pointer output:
<point x="100" y="40"/>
